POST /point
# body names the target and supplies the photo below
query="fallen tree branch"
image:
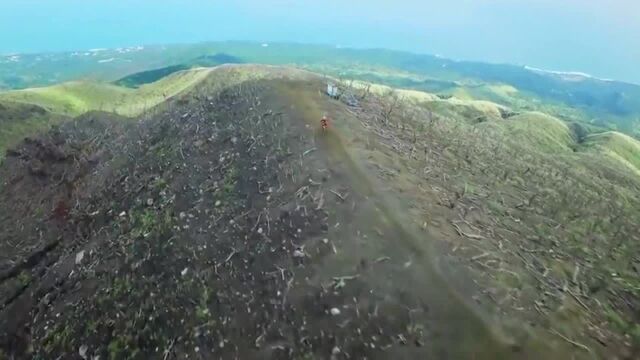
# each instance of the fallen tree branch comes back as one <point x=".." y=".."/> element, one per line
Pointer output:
<point x="230" y="256"/>
<point x="578" y="300"/>
<point x="478" y="257"/>
<point x="462" y="233"/>
<point x="381" y="259"/>
<point x="574" y="343"/>
<point x="348" y="277"/>
<point x="308" y="151"/>
<point x="32" y="260"/>
<point x="342" y="197"/>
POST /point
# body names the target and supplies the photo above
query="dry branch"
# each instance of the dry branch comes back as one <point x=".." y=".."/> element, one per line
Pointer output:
<point x="342" y="197"/>
<point x="462" y="233"/>
<point x="574" y="343"/>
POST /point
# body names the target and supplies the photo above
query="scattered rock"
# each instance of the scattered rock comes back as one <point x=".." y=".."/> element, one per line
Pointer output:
<point x="335" y="311"/>
<point x="123" y="214"/>
<point x="184" y="272"/>
<point x="82" y="351"/>
<point x="218" y="203"/>
<point x="298" y="253"/>
<point x="79" y="257"/>
<point x="335" y="351"/>
<point x="149" y="202"/>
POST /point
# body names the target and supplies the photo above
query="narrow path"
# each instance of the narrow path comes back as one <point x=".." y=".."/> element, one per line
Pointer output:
<point x="403" y="267"/>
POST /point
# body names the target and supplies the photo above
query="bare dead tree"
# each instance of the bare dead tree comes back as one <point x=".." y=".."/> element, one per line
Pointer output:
<point x="365" y="92"/>
<point x="389" y="104"/>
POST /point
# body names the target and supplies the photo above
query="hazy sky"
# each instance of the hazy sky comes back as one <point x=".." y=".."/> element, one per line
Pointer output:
<point x="600" y="37"/>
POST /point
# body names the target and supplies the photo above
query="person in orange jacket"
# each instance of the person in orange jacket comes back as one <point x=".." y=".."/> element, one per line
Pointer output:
<point x="324" y="122"/>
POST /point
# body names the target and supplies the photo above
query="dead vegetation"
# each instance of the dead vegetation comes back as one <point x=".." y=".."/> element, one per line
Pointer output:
<point x="550" y="236"/>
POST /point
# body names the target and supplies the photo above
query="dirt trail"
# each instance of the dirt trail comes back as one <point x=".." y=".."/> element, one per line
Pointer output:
<point x="409" y="257"/>
<point x="409" y="273"/>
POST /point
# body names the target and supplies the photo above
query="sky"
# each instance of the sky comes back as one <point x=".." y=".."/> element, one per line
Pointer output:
<point x="599" y="37"/>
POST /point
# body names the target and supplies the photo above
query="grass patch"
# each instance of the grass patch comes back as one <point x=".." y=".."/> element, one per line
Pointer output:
<point x="229" y="183"/>
<point x="202" y="310"/>
<point x="58" y="338"/>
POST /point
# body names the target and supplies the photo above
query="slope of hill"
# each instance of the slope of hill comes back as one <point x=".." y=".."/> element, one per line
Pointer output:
<point x="517" y="199"/>
<point x="539" y="131"/>
<point x="145" y="77"/>
<point x="27" y="112"/>
<point x="75" y="98"/>
<point x="30" y="111"/>
<point x="149" y="76"/>
<point x="616" y="145"/>
<point x="18" y="120"/>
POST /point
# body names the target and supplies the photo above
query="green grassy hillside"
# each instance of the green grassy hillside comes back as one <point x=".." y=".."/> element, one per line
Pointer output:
<point x="616" y="145"/>
<point x="540" y="131"/>
<point x="74" y="98"/>
<point x="70" y="98"/>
